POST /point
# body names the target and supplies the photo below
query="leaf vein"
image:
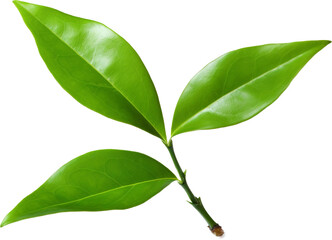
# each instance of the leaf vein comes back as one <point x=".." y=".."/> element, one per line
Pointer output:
<point x="107" y="191"/>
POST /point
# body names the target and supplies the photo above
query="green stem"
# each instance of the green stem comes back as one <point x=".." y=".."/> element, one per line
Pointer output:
<point x="196" y="202"/>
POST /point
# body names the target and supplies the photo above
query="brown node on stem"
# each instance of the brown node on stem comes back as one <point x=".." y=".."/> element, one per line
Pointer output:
<point x="217" y="230"/>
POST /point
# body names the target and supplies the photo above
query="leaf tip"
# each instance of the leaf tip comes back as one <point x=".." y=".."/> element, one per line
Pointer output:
<point x="324" y="43"/>
<point x="16" y="2"/>
<point x="9" y="218"/>
<point x="4" y="222"/>
<point x="20" y="4"/>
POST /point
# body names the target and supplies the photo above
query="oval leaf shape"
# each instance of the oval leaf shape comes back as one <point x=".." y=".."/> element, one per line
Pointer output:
<point x="240" y="84"/>
<point x="96" y="66"/>
<point x="96" y="181"/>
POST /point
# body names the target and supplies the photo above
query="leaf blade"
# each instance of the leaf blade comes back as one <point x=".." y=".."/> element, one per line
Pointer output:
<point x="96" y="66"/>
<point x="96" y="181"/>
<point x="240" y="84"/>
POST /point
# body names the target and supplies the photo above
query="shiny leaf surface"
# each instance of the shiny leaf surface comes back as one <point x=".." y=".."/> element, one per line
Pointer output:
<point x="96" y="66"/>
<point x="240" y="84"/>
<point x="96" y="181"/>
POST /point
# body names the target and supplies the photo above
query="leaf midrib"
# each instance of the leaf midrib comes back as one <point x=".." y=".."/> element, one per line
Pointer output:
<point x="243" y="85"/>
<point x="101" y="193"/>
<point x="105" y="78"/>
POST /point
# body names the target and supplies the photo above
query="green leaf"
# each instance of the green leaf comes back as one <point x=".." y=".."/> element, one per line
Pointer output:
<point x="240" y="84"/>
<point x="96" y="66"/>
<point x="96" y="181"/>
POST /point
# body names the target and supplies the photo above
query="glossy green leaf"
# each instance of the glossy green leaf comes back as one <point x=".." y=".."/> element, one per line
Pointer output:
<point x="96" y="181"/>
<point x="240" y="84"/>
<point x="96" y="66"/>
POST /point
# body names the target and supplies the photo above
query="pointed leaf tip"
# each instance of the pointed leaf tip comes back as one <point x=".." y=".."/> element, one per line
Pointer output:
<point x="4" y="222"/>
<point x="16" y="3"/>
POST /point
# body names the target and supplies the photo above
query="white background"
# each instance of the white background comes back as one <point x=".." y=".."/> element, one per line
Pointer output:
<point x="267" y="178"/>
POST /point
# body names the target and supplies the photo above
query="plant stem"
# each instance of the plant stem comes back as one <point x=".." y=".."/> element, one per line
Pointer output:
<point x="196" y="202"/>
